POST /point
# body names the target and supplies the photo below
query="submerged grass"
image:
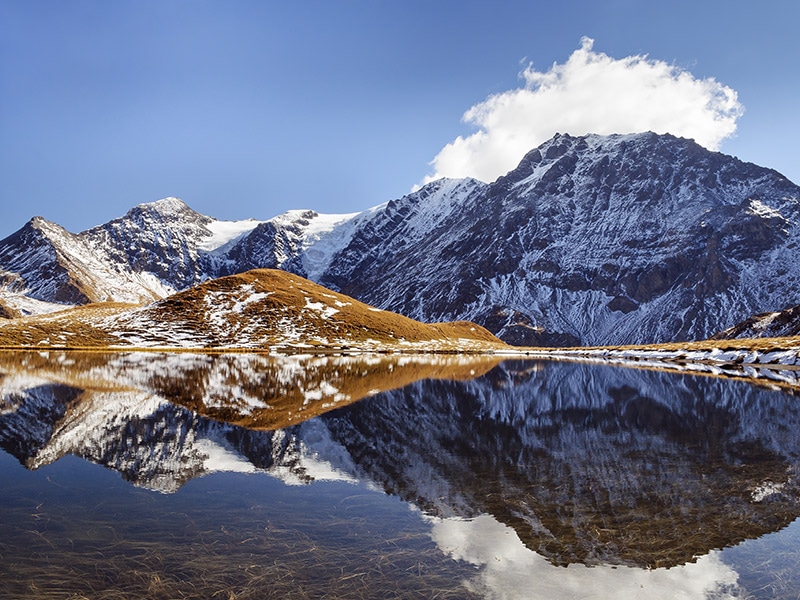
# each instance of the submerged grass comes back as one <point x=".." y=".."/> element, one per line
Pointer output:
<point x="220" y="551"/>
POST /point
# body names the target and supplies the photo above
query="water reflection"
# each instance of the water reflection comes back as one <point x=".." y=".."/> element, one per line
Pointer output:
<point x="520" y="469"/>
<point x="161" y="419"/>
<point x="587" y="464"/>
<point x="509" y="570"/>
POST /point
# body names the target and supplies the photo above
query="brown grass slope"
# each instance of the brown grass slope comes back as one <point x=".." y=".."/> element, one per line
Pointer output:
<point x="215" y="385"/>
<point x="263" y="308"/>
<point x="6" y="312"/>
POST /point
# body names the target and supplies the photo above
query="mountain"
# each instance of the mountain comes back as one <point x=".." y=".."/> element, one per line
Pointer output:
<point x="618" y="239"/>
<point x="263" y="308"/>
<point x="151" y="252"/>
<point x="615" y="239"/>
<point x="783" y="323"/>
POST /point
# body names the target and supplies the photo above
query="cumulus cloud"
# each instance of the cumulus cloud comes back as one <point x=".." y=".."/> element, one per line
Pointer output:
<point x="590" y="93"/>
<point x="508" y="570"/>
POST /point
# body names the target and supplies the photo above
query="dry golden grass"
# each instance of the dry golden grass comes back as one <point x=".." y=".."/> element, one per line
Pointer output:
<point x="757" y="344"/>
<point x="261" y="308"/>
<point x="7" y="312"/>
<point x="68" y="328"/>
<point x="288" y="301"/>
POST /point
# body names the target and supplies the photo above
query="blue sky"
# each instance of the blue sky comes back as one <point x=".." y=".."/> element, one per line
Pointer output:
<point x="250" y="108"/>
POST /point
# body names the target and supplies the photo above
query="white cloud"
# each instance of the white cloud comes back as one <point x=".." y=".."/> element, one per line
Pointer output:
<point x="507" y="570"/>
<point x="590" y="93"/>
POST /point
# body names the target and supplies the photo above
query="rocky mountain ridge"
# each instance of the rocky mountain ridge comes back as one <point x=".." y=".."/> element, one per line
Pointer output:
<point x="591" y="240"/>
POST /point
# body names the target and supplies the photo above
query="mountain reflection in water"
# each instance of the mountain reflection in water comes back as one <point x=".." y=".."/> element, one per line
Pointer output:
<point x="581" y="464"/>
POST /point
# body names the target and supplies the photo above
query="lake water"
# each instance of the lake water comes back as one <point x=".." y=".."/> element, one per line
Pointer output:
<point x="148" y="475"/>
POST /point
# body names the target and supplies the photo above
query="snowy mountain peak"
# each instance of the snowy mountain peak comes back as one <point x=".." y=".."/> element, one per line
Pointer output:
<point x="598" y="239"/>
<point x="38" y="222"/>
<point x="169" y="205"/>
<point x="47" y="228"/>
<point x="166" y="210"/>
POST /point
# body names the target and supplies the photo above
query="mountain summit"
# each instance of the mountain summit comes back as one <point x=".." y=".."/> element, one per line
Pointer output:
<point x="591" y="240"/>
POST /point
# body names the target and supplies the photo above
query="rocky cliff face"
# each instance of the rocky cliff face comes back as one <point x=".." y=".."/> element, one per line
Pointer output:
<point x="161" y="239"/>
<point x="590" y="240"/>
<point x="37" y="261"/>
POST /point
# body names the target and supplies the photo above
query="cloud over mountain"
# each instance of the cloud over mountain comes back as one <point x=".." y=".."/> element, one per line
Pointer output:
<point x="590" y="93"/>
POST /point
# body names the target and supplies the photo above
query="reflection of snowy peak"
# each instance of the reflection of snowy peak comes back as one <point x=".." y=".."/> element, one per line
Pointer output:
<point x="149" y="441"/>
<point x="147" y="415"/>
<point x="593" y="239"/>
<point x="588" y="464"/>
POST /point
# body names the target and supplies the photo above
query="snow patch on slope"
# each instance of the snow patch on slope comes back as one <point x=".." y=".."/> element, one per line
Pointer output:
<point x="324" y="237"/>
<point x="225" y="233"/>
<point x="30" y="306"/>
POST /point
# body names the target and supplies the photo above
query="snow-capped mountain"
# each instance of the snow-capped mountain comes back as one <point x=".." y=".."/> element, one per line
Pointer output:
<point x="635" y="238"/>
<point x="151" y="252"/>
<point x="595" y="239"/>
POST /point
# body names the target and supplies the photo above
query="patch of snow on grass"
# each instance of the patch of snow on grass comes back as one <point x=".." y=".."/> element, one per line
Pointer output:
<point x="324" y="389"/>
<point x="326" y="311"/>
<point x="255" y="297"/>
<point x="767" y="489"/>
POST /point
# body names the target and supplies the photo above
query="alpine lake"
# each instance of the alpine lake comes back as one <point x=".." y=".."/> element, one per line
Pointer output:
<point x="233" y="476"/>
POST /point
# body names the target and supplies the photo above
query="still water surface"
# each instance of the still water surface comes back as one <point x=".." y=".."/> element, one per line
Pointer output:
<point x="249" y="476"/>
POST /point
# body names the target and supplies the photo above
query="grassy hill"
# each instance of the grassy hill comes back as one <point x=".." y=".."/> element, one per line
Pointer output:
<point x="260" y="309"/>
